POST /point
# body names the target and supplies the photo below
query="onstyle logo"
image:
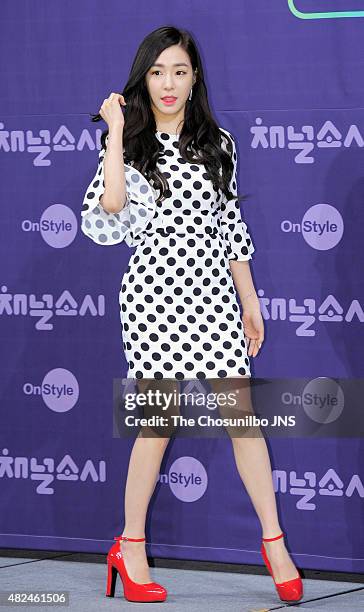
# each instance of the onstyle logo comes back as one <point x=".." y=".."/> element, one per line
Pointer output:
<point x="59" y="390"/>
<point x="187" y="479"/>
<point x="322" y="227"/>
<point x="58" y="226"/>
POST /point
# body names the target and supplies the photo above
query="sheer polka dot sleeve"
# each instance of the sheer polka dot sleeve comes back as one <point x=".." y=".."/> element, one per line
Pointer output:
<point x="130" y="223"/>
<point x="234" y="230"/>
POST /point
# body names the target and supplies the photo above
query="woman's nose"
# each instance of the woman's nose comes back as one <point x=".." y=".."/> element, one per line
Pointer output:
<point x="168" y="81"/>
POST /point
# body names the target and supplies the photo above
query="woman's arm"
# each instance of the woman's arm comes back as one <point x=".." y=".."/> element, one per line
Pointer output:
<point x="109" y="215"/>
<point x="237" y="239"/>
<point x="114" y="197"/>
<point x="243" y="282"/>
<point x="234" y="230"/>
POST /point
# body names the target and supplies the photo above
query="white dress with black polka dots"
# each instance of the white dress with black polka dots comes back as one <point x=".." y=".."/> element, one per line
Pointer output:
<point x="178" y="307"/>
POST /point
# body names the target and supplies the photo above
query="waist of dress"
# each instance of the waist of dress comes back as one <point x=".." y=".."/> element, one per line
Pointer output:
<point x="171" y="231"/>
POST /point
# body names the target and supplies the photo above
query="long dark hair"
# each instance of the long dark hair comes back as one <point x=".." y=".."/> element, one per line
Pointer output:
<point x="200" y="137"/>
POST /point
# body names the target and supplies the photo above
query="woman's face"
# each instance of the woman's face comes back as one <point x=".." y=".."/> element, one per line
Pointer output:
<point x="170" y="76"/>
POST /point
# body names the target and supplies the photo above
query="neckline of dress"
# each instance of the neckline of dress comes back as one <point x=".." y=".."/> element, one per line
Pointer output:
<point x="167" y="133"/>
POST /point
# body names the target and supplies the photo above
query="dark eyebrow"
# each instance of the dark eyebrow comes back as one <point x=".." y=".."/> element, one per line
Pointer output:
<point x="179" y="64"/>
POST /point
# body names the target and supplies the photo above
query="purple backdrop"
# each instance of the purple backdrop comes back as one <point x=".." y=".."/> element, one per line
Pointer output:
<point x="290" y="89"/>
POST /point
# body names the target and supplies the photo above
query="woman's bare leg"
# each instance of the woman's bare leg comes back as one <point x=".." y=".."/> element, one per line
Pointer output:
<point x="145" y="460"/>
<point x="254" y="466"/>
<point x="144" y="465"/>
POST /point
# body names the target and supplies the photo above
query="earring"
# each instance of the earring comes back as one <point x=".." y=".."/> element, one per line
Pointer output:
<point x="190" y="95"/>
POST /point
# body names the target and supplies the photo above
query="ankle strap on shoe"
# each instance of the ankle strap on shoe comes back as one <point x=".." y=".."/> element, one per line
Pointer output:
<point x="121" y="537"/>
<point x="272" y="539"/>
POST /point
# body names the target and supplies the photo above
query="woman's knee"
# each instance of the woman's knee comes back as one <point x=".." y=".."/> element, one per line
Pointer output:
<point x="158" y="437"/>
<point x="160" y="407"/>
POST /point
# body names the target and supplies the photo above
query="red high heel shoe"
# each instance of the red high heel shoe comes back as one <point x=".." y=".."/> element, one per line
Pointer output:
<point x="133" y="591"/>
<point x="291" y="590"/>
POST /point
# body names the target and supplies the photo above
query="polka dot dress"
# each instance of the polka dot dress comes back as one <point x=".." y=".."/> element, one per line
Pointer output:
<point x="178" y="307"/>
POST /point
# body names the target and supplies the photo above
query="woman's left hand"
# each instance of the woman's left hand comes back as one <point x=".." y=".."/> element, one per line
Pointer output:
<point x="253" y="329"/>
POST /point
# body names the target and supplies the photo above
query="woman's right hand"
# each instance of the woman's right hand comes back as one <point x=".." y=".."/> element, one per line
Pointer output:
<point x="111" y="111"/>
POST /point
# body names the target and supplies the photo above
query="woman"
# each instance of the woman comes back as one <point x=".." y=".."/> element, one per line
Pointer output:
<point x="178" y="308"/>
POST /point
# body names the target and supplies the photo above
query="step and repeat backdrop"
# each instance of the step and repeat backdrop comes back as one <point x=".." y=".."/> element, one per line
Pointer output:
<point x="286" y="80"/>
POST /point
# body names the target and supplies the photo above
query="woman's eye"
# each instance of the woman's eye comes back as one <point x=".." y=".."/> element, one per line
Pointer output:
<point x="182" y="71"/>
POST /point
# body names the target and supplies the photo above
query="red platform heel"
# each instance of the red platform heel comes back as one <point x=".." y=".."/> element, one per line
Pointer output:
<point x="291" y="590"/>
<point x="133" y="591"/>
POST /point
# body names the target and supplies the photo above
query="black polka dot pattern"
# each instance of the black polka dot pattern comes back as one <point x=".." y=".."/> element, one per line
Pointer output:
<point x="127" y="225"/>
<point x="178" y="306"/>
<point x="237" y="239"/>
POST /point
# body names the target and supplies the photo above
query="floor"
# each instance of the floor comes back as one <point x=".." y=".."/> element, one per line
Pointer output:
<point x="83" y="577"/>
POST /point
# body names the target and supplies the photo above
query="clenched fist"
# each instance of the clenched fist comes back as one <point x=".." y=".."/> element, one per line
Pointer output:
<point x="111" y="111"/>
